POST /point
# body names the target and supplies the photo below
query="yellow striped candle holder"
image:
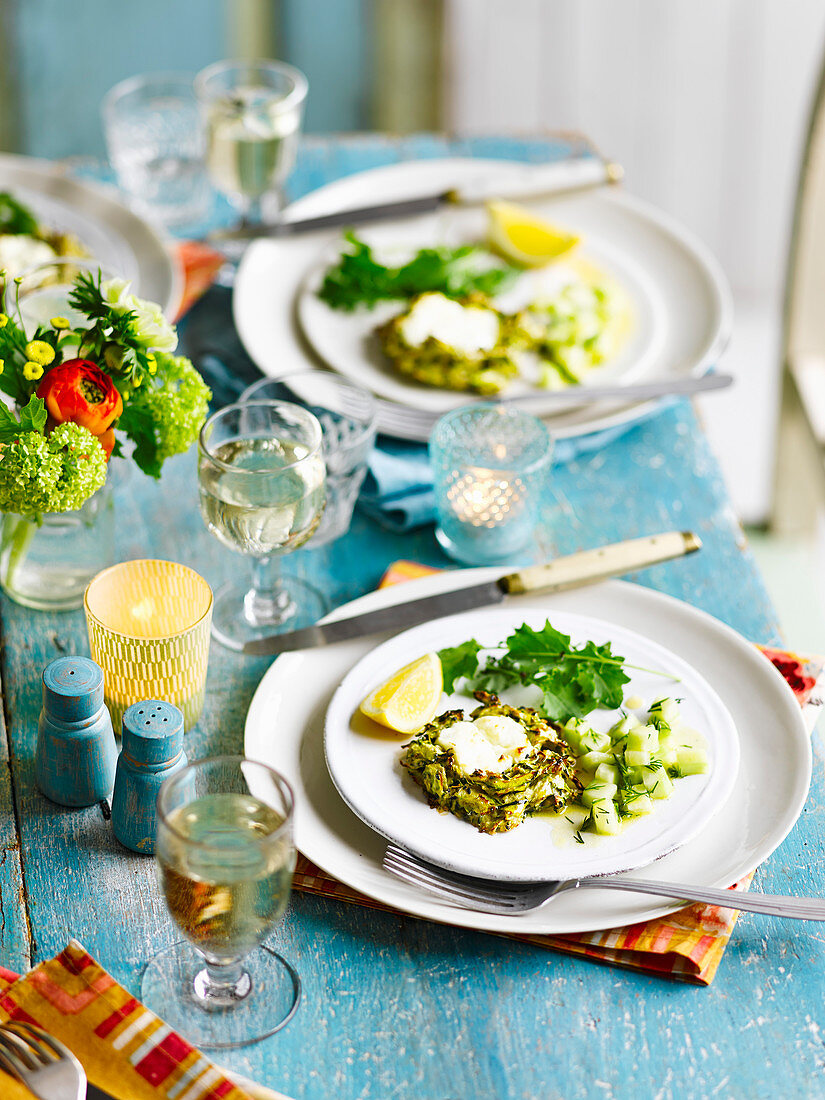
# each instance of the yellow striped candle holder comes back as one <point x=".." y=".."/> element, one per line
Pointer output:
<point x="148" y="623"/>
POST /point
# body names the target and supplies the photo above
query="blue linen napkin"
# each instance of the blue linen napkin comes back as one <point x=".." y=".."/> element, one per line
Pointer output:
<point x="398" y="489"/>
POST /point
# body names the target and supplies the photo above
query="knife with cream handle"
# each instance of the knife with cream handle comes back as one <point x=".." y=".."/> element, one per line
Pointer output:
<point x="586" y="567"/>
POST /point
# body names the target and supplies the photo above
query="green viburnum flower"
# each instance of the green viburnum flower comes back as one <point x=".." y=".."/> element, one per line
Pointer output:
<point x="164" y="416"/>
<point x="54" y="473"/>
<point x="150" y="327"/>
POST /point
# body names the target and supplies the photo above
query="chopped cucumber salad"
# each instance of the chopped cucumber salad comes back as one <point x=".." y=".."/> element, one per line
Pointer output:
<point x="626" y="770"/>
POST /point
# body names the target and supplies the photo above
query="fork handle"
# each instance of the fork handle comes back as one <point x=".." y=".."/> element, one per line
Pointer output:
<point x="775" y="905"/>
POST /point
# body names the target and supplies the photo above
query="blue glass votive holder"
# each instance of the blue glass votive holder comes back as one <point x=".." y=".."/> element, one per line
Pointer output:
<point x="489" y="462"/>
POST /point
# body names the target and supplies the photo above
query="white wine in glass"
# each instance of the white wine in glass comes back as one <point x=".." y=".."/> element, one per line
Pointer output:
<point x="226" y="854"/>
<point x="253" y="111"/>
<point x="262" y="484"/>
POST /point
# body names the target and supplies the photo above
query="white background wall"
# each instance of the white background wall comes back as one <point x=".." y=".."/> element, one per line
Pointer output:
<point x="705" y="104"/>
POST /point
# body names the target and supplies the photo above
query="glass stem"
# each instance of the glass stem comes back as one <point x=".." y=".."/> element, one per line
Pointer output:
<point x="221" y="985"/>
<point x="267" y="603"/>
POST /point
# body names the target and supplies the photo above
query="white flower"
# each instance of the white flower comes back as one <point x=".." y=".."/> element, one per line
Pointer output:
<point x="149" y="325"/>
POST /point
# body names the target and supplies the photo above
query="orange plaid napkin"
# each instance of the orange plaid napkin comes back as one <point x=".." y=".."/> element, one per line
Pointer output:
<point x="124" y="1048"/>
<point x="687" y="945"/>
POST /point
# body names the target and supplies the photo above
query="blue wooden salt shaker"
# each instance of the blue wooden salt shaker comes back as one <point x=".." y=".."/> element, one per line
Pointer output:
<point x="76" y="752"/>
<point x="152" y="750"/>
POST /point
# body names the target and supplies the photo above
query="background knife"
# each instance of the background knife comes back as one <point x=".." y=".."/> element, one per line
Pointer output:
<point x="586" y="567"/>
<point x="521" y="182"/>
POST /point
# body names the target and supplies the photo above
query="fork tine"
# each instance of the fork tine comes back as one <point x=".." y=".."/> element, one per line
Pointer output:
<point x="16" y="1049"/>
<point x="467" y="886"/>
<point x="457" y="895"/>
<point x="9" y="1066"/>
<point x="426" y="877"/>
<point x="45" y="1047"/>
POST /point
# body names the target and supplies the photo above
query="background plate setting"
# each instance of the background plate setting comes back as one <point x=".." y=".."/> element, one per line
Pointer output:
<point x="114" y="236"/>
<point x="682" y="295"/>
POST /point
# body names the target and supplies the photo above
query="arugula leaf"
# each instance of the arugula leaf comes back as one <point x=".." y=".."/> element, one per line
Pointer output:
<point x="359" y="279"/>
<point x="459" y="660"/>
<point x="32" y="419"/>
<point x="573" y="681"/>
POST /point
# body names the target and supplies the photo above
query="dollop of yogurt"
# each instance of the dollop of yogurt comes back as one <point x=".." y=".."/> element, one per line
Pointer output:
<point x="493" y="743"/>
<point x="466" y="329"/>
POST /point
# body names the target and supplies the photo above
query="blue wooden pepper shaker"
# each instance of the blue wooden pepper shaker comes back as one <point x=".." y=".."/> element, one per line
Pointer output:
<point x="152" y="750"/>
<point x="76" y="752"/>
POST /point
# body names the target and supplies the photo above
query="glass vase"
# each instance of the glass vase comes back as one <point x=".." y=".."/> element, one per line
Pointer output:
<point x="47" y="565"/>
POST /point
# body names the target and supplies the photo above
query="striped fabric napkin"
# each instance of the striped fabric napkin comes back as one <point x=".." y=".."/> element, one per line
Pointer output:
<point x="687" y="945"/>
<point x="124" y="1048"/>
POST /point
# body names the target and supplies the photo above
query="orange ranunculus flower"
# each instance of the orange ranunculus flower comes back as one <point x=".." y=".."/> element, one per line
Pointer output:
<point x="78" y="390"/>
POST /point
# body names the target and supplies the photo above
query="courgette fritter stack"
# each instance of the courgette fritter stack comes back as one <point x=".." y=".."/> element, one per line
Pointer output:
<point x="543" y="779"/>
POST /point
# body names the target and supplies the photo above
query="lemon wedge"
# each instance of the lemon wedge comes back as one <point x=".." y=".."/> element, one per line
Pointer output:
<point x="523" y="238"/>
<point x="410" y="698"/>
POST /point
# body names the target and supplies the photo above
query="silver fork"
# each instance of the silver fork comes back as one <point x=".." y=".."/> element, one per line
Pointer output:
<point x="45" y="1066"/>
<point x="513" y="898"/>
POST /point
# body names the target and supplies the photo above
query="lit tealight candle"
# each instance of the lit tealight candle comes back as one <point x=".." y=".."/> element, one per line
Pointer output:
<point x="489" y="464"/>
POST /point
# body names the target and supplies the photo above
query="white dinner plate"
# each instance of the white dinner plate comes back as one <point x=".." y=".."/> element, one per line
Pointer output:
<point x="364" y="758"/>
<point x="680" y="293"/>
<point x="285" y="726"/>
<point x="110" y="231"/>
<point x="347" y="341"/>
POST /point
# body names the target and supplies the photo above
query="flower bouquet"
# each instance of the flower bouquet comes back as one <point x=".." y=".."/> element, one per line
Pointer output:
<point x="82" y="393"/>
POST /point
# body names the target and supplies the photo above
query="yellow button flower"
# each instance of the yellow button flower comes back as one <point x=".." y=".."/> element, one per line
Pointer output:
<point x="2" y="365"/>
<point x="4" y="320"/>
<point x="152" y="364"/>
<point x="40" y="352"/>
<point x="60" y="323"/>
<point x="32" y="371"/>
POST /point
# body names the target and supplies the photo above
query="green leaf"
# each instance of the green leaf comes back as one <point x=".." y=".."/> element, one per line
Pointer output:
<point x="33" y="416"/>
<point x="32" y="419"/>
<point x="459" y="661"/>
<point x="359" y="279"/>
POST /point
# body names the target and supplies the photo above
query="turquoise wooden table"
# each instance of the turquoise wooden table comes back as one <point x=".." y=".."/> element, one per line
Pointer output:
<point x="396" y="1007"/>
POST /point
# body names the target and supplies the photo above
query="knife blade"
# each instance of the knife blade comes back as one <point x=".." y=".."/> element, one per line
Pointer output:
<point x="585" y="567"/>
<point x="522" y="181"/>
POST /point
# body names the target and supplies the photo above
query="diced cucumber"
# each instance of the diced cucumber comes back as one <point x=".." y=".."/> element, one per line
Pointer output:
<point x="606" y="818"/>
<point x="598" y="792"/>
<point x="626" y="723"/>
<point x="591" y="760"/>
<point x="643" y="738"/>
<point x="573" y="730"/>
<point x="607" y="773"/>
<point x="667" y="710"/>
<point x="658" y="783"/>
<point x="691" y="760"/>
<point x="593" y="741"/>
<point x="637" y="758"/>
<point x="667" y="751"/>
<point x="638" y="804"/>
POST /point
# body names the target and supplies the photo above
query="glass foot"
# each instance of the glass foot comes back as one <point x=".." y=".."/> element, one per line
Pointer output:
<point x="239" y="617"/>
<point x="267" y="1001"/>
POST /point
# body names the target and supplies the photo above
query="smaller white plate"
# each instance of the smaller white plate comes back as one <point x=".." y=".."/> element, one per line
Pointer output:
<point x="347" y="341"/>
<point x="364" y="759"/>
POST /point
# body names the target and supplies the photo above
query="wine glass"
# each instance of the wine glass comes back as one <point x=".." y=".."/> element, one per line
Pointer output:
<point x="262" y="486"/>
<point x="253" y="111"/>
<point x="347" y="415"/>
<point x="225" y="855"/>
